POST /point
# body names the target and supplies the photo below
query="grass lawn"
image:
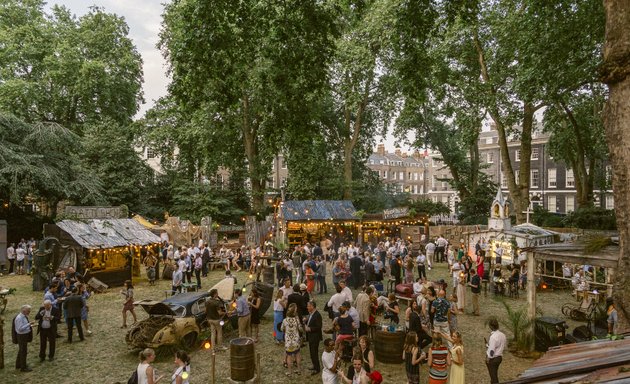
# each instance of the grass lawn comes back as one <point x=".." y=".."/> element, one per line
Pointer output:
<point x="105" y="358"/>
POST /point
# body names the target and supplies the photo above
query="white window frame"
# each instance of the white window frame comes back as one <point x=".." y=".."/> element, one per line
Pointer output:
<point x="534" y="181"/>
<point x="570" y="204"/>
<point x="552" y="181"/>
<point x="569" y="178"/>
<point x="503" y="180"/>
<point x="490" y="157"/>
<point x="553" y="208"/>
<point x="517" y="155"/>
<point x="151" y="153"/>
<point x="535" y="153"/>
<point x="610" y="202"/>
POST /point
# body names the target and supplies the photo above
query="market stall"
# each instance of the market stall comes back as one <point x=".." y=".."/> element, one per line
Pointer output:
<point x="107" y="248"/>
<point x="314" y="220"/>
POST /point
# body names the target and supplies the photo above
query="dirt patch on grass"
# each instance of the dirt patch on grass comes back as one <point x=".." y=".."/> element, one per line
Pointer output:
<point x="105" y="358"/>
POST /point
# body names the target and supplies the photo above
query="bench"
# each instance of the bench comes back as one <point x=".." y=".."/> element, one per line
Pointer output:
<point x="214" y="264"/>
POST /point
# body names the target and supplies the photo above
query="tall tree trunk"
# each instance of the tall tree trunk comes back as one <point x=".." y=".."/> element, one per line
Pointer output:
<point x="250" y="143"/>
<point x="347" y="169"/>
<point x="616" y="74"/>
<point x="580" y="173"/>
<point x="519" y="192"/>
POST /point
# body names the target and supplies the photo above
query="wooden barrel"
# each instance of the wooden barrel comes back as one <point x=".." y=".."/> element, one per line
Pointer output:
<point x="167" y="272"/>
<point x="268" y="275"/>
<point x="242" y="359"/>
<point x="266" y="294"/>
<point x="388" y="346"/>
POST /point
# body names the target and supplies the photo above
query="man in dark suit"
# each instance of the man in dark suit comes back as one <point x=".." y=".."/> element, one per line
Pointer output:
<point x="313" y="327"/>
<point x="299" y="301"/>
<point x="48" y="317"/>
<point x="356" y="262"/>
<point x="73" y="305"/>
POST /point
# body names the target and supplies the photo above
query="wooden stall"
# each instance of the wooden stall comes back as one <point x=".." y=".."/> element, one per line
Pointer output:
<point x="314" y="220"/>
<point x="108" y="249"/>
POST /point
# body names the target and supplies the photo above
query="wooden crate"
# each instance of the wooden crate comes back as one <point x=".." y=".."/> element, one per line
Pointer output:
<point x="97" y="285"/>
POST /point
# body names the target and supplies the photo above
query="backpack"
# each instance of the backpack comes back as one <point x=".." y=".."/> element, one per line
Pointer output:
<point x="134" y="377"/>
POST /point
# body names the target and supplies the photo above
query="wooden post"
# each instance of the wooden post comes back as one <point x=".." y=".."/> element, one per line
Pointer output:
<point x="213" y="360"/>
<point x="258" y="368"/>
<point x="531" y="292"/>
<point x="1" y="342"/>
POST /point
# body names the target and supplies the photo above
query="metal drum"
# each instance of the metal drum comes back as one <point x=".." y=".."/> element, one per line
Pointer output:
<point x="242" y="359"/>
<point x="268" y="275"/>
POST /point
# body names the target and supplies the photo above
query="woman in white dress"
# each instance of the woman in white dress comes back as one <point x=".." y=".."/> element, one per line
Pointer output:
<point x="146" y="373"/>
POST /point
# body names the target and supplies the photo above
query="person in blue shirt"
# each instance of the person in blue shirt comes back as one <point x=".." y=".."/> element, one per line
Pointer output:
<point x="244" y="314"/>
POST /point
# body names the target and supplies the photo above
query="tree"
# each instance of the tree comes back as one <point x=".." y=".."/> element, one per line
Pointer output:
<point x="108" y="151"/>
<point x="578" y="139"/>
<point x="70" y="71"/>
<point x="360" y="97"/>
<point x="615" y="73"/>
<point x="240" y="67"/>
<point x="40" y="161"/>
<point x="483" y="65"/>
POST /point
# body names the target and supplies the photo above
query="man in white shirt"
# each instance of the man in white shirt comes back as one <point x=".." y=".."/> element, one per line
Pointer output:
<point x="11" y="258"/>
<point x="20" y="256"/>
<point x="494" y="353"/>
<point x="440" y="248"/>
<point x="329" y="363"/>
<point x="430" y="248"/>
<point x="287" y="289"/>
<point x="364" y="306"/>
<point x="336" y="301"/>
<point x="456" y="269"/>
<point x="345" y="291"/>
<point x="421" y="264"/>
<point x="23" y="329"/>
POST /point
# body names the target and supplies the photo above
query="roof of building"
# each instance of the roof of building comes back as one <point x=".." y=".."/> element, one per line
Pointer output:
<point x="108" y="233"/>
<point x="303" y="210"/>
<point x="576" y="253"/>
<point x="599" y="361"/>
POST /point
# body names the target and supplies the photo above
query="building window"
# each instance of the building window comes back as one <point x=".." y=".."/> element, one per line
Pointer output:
<point x="284" y="163"/>
<point x="488" y="140"/>
<point x="381" y="162"/>
<point x="503" y="180"/>
<point x="490" y="157"/>
<point x="401" y="176"/>
<point x="551" y="204"/>
<point x="371" y="162"/>
<point x="517" y="155"/>
<point x="394" y="175"/>
<point x="570" y="178"/>
<point x="433" y="182"/>
<point x="570" y="204"/>
<point x="150" y="153"/>
<point x="516" y="176"/>
<point x="610" y="202"/>
<point x="551" y="176"/>
<point x="534" y="154"/>
<point x="535" y="178"/>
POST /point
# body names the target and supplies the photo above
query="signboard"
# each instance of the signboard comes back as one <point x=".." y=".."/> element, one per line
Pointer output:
<point x="96" y="212"/>
<point x="395" y="213"/>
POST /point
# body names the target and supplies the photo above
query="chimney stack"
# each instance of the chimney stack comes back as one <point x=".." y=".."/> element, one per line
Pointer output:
<point x="397" y="151"/>
<point x="380" y="149"/>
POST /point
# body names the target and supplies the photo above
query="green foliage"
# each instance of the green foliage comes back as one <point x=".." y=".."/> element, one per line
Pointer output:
<point x="428" y="207"/>
<point x="242" y="73"/>
<point x="518" y="323"/>
<point x="58" y="68"/>
<point x="41" y="161"/>
<point x="592" y="218"/>
<point x="543" y="218"/>
<point x="108" y="152"/>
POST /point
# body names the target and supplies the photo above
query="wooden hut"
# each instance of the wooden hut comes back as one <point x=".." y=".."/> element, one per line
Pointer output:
<point x="314" y="220"/>
<point x="105" y="248"/>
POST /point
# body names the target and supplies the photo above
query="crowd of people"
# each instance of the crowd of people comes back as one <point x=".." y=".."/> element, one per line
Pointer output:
<point x="430" y="321"/>
<point x="20" y="257"/>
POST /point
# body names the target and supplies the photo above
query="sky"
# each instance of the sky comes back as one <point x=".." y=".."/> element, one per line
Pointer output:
<point x="144" y="18"/>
